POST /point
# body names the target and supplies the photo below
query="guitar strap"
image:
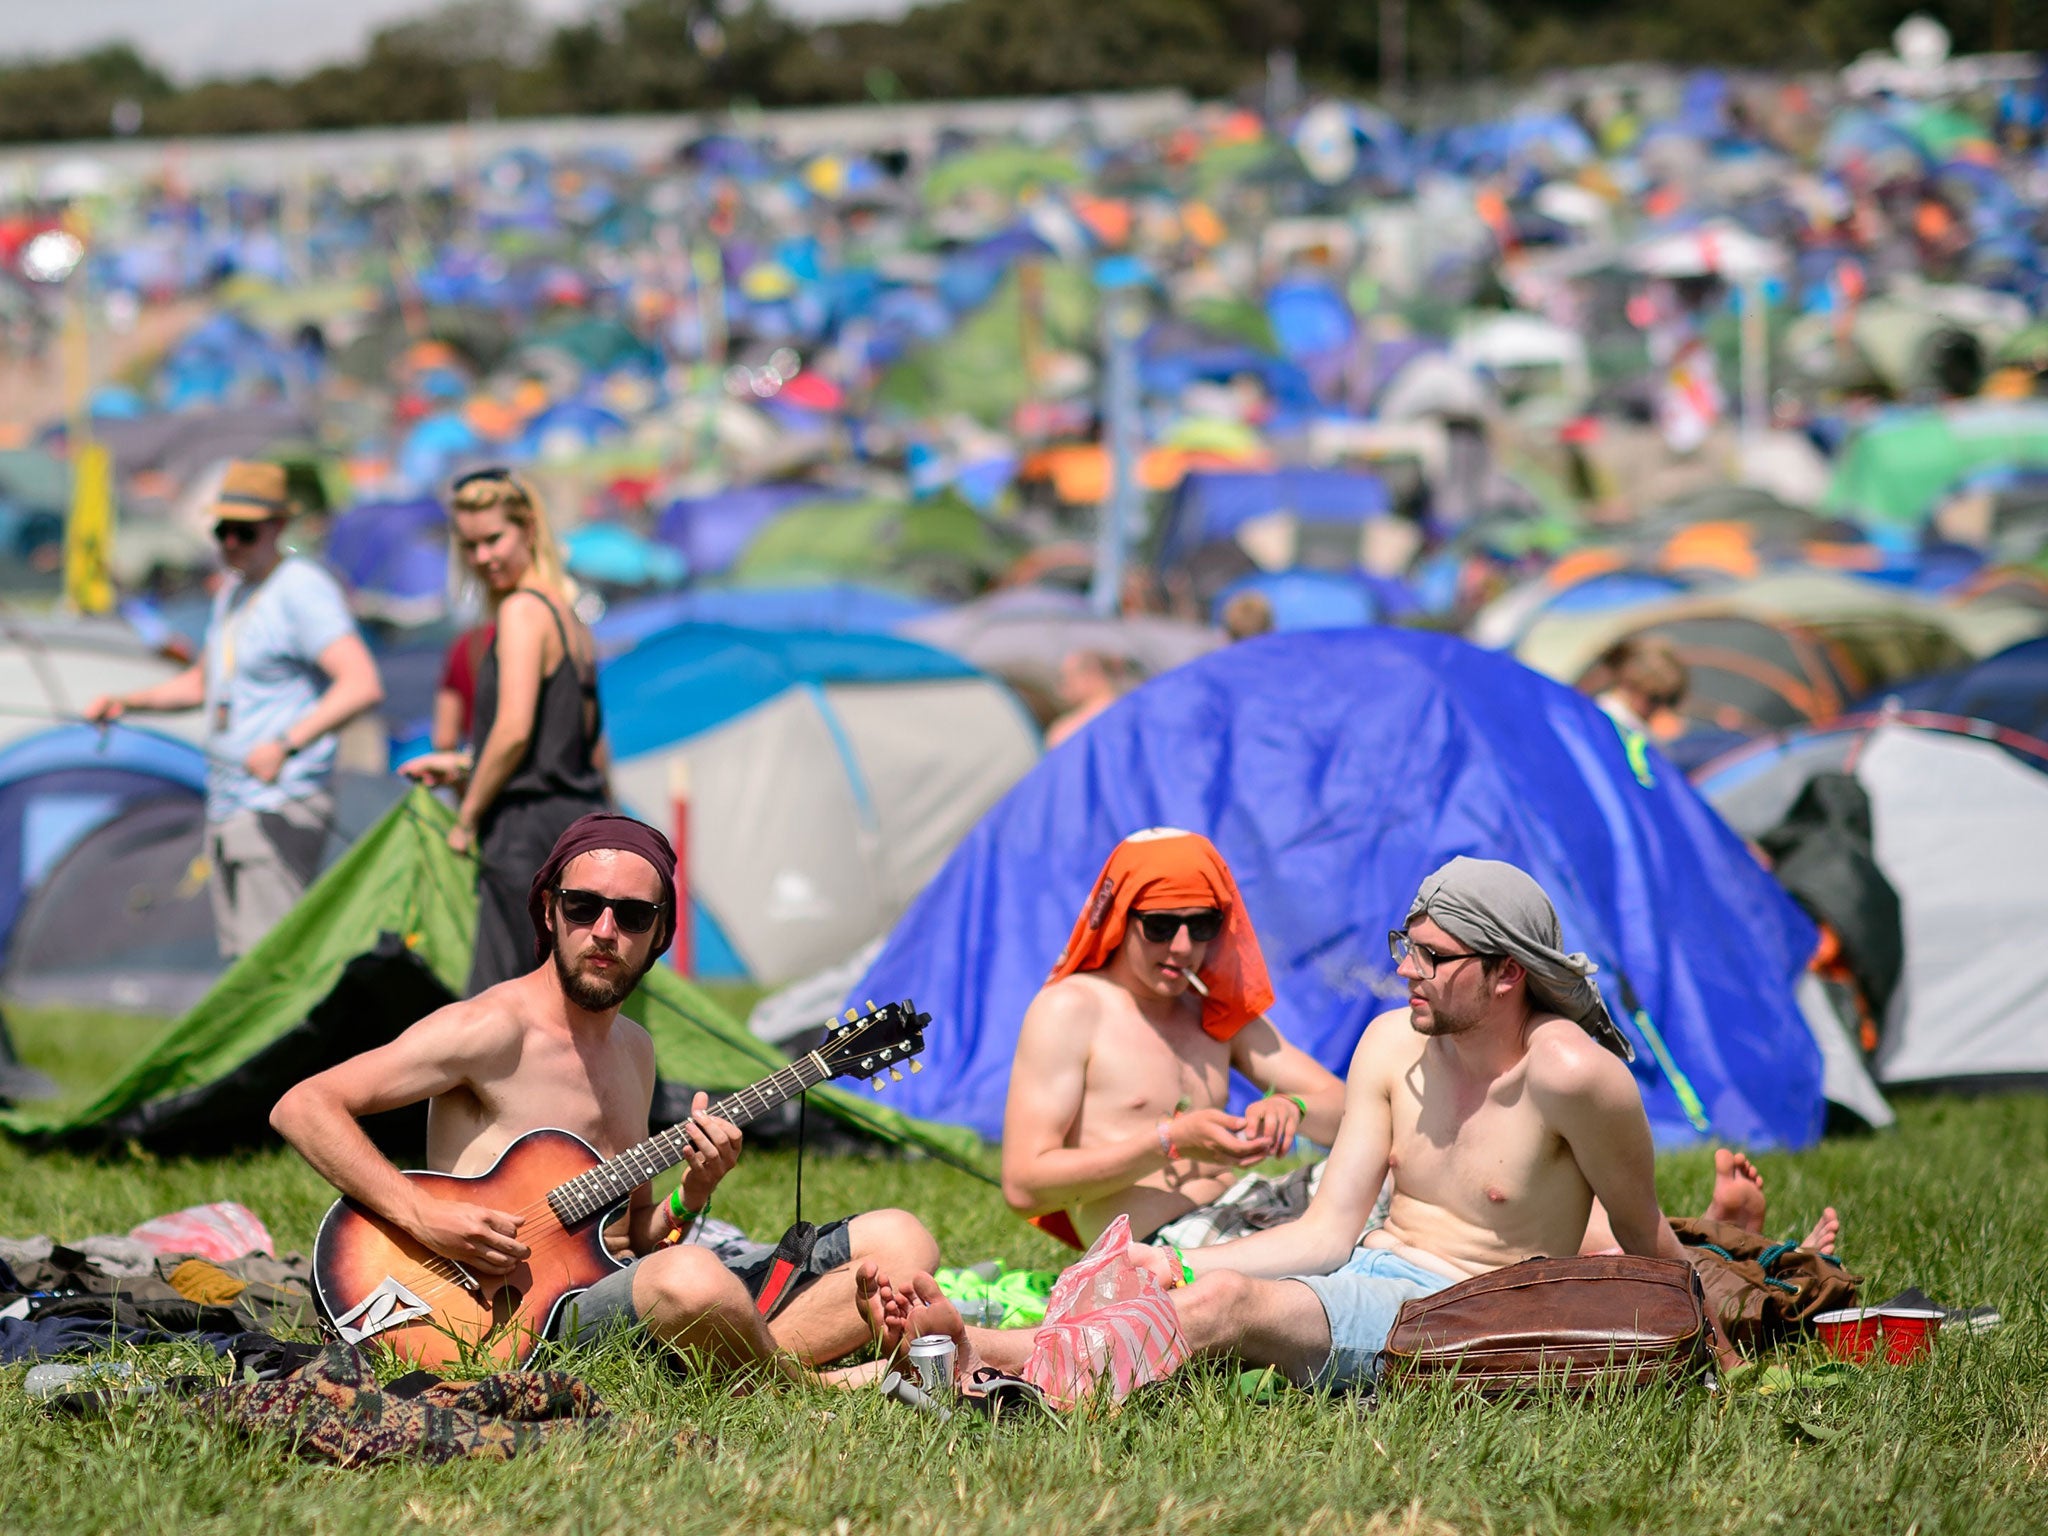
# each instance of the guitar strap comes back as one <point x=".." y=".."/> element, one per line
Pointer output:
<point x="792" y="1258"/>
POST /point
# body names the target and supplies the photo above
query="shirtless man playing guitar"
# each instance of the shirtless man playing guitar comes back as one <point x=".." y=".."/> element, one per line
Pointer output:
<point x="1119" y="1092"/>
<point x="548" y="1050"/>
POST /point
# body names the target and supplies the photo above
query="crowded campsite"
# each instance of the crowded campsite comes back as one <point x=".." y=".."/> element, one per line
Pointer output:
<point x="1316" y="804"/>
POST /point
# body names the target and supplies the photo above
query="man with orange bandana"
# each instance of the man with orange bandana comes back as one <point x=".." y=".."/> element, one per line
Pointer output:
<point x="1119" y="1092"/>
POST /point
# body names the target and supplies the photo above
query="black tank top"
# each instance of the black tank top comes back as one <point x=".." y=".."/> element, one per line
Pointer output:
<point x="560" y="754"/>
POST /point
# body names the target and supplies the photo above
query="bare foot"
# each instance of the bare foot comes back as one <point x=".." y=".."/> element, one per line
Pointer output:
<point x="883" y="1308"/>
<point x="1738" y="1197"/>
<point x="1822" y="1238"/>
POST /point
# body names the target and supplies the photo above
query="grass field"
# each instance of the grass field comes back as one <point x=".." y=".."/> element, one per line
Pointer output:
<point x="1954" y="1201"/>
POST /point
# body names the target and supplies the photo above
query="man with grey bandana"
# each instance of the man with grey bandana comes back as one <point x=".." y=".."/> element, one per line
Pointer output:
<point x="1501" y="1102"/>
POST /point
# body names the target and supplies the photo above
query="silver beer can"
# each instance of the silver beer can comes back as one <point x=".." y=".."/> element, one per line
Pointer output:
<point x="931" y="1356"/>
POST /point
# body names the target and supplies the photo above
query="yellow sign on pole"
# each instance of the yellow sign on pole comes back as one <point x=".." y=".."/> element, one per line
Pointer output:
<point x="89" y="534"/>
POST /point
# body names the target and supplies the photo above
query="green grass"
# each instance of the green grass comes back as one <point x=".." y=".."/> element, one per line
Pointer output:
<point x="1954" y="1202"/>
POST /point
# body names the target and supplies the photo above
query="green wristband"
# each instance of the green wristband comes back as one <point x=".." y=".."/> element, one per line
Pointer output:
<point x="1187" y="1274"/>
<point x="680" y="1215"/>
<point x="1300" y="1103"/>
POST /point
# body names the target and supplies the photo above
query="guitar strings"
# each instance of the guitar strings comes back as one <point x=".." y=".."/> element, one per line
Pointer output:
<point x="448" y="1275"/>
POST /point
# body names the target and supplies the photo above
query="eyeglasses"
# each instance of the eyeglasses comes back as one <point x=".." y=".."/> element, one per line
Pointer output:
<point x="583" y="908"/>
<point x="1426" y="957"/>
<point x="234" y="530"/>
<point x="1160" y="927"/>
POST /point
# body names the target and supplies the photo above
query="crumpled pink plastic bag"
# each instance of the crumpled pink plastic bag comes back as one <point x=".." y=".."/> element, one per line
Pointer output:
<point x="1107" y="1318"/>
<point x="220" y="1231"/>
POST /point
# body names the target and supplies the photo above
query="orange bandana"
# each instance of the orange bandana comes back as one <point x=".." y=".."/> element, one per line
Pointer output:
<point x="1162" y="869"/>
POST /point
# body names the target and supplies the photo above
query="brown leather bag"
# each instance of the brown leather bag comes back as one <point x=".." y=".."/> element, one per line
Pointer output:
<point x="1576" y="1323"/>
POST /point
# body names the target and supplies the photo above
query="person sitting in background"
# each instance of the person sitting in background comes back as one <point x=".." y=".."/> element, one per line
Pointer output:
<point x="1247" y="615"/>
<point x="539" y="757"/>
<point x="1640" y="682"/>
<point x="1090" y="681"/>
<point x="281" y="671"/>
<point x="1119" y="1090"/>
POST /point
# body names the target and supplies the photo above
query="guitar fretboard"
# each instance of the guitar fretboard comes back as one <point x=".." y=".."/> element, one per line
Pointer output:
<point x="611" y="1182"/>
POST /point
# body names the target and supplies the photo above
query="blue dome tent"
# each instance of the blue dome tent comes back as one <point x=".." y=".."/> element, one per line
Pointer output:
<point x="1335" y="770"/>
<point x="58" y="786"/>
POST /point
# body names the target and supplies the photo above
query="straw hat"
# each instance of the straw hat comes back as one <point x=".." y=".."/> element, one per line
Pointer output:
<point x="252" y="493"/>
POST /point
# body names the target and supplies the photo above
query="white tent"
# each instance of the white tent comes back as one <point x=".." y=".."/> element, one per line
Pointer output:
<point x="817" y="812"/>
<point x="1961" y="832"/>
<point x="50" y="670"/>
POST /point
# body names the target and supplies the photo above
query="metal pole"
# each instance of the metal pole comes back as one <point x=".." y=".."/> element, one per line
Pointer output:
<point x="1122" y="319"/>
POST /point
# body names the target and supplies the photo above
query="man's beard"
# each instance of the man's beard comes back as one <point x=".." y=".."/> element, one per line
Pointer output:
<point x="1446" y="1021"/>
<point x="597" y="994"/>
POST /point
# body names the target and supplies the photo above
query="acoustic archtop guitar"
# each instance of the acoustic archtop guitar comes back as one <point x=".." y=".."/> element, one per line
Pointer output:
<point x="374" y="1281"/>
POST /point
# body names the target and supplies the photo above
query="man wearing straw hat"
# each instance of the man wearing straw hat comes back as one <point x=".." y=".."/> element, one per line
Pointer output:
<point x="282" y="671"/>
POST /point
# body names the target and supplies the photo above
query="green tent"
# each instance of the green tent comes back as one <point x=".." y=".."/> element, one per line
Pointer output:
<point x="978" y="367"/>
<point x="1898" y="467"/>
<point x="941" y="546"/>
<point x="384" y="936"/>
<point x="1007" y="170"/>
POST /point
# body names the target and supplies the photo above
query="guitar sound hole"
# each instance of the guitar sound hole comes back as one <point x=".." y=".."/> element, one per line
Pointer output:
<point x="505" y="1304"/>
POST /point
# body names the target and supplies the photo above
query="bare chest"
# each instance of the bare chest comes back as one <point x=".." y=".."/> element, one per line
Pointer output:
<point x="1486" y="1157"/>
<point x="597" y="1094"/>
<point x="1136" y="1074"/>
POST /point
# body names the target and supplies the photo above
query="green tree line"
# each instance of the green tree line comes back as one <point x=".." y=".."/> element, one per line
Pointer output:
<point x="481" y="58"/>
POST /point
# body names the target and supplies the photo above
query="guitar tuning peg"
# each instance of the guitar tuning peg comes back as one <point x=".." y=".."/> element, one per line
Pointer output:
<point x="895" y="1076"/>
<point x="875" y="1083"/>
<point x="871" y="1006"/>
<point x="886" y="1052"/>
<point x="851" y="1015"/>
<point x="916" y="1067"/>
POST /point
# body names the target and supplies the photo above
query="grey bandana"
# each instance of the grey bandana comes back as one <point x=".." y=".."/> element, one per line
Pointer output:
<point x="1497" y="909"/>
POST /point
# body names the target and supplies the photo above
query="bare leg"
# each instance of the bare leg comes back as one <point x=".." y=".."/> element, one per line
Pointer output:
<point x="1280" y="1323"/>
<point x="1264" y="1322"/>
<point x="827" y="1321"/>
<point x="689" y="1301"/>
<point x="1738" y="1197"/>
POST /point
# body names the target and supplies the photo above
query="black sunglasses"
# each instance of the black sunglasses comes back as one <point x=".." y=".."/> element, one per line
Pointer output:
<point x="583" y="908"/>
<point x="1160" y="927"/>
<point x="231" y="530"/>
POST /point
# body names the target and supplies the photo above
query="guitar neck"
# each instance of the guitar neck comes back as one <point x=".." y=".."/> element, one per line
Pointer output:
<point x="612" y="1181"/>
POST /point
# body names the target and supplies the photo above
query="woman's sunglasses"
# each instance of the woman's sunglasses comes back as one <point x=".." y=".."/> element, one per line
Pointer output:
<point x="583" y="908"/>
<point x="234" y="531"/>
<point x="1160" y="927"/>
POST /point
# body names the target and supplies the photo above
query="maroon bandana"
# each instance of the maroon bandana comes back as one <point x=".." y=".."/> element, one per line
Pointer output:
<point x="603" y="829"/>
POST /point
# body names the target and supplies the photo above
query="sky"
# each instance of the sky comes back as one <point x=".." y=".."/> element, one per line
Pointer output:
<point x="192" y="39"/>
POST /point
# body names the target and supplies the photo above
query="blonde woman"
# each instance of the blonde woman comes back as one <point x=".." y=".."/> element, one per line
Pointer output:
<point x="538" y="759"/>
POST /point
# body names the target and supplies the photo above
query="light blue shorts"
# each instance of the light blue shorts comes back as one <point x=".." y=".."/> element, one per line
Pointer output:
<point x="1361" y="1300"/>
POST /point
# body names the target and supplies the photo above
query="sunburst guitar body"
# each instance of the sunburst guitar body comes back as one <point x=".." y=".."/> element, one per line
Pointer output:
<point x="375" y="1282"/>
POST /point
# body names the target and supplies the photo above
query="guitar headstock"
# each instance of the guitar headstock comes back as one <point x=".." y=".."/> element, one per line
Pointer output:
<point x="876" y="1043"/>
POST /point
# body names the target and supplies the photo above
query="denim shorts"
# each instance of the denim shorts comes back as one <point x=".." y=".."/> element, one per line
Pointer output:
<point x="1361" y="1300"/>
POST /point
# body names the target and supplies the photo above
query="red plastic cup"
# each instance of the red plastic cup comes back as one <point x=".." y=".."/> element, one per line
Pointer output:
<point x="1908" y="1333"/>
<point x="1850" y="1334"/>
